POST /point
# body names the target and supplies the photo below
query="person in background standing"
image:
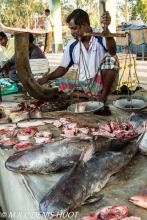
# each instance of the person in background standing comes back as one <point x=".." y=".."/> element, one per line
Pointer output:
<point x="49" y="23"/>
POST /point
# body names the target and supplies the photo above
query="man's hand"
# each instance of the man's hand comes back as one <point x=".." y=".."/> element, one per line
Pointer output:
<point x="43" y="80"/>
<point x="105" y="19"/>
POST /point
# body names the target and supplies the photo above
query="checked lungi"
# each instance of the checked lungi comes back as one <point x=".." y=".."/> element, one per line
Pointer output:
<point x="94" y="86"/>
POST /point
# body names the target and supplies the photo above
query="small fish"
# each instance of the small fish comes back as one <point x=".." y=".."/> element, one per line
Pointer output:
<point x="136" y="119"/>
<point x="107" y="213"/>
<point x="35" y="122"/>
<point x="140" y="198"/>
<point x="59" y="155"/>
<point x="87" y="177"/>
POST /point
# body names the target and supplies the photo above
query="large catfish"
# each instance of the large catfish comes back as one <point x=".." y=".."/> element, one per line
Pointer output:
<point x="87" y="177"/>
<point x="59" y="155"/>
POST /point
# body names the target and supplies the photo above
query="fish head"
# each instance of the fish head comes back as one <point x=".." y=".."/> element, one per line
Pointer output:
<point x="53" y="207"/>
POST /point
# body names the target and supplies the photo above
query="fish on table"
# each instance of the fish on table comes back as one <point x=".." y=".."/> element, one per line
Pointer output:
<point x="59" y="155"/>
<point x="87" y="177"/>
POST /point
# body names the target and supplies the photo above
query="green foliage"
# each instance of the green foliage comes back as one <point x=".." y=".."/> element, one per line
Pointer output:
<point x="139" y="10"/>
<point x="90" y="6"/>
<point x="20" y="13"/>
<point x="133" y="9"/>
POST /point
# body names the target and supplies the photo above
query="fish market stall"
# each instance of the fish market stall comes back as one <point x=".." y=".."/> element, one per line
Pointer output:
<point x="21" y="193"/>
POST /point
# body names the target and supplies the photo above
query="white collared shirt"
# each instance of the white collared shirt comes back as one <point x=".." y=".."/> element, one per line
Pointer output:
<point x="49" y="23"/>
<point x="89" y="60"/>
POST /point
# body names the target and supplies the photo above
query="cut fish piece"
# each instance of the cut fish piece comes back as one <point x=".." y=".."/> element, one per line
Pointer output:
<point x="26" y="133"/>
<point x="23" y="146"/>
<point x="17" y="116"/>
<point x="35" y="122"/>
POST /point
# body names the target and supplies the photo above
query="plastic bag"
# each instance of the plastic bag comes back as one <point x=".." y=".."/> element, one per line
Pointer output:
<point x="8" y="89"/>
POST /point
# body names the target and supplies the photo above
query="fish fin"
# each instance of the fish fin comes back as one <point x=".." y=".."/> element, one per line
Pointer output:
<point x="87" y="153"/>
<point x="93" y="199"/>
<point x="113" y="177"/>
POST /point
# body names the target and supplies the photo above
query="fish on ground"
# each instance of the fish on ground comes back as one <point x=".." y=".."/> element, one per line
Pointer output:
<point x="87" y="177"/>
<point x="107" y="213"/>
<point x="140" y="198"/>
<point x="59" y="155"/>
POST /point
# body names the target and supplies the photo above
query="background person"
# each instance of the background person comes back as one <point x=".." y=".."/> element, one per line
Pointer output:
<point x="34" y="53"/>
<point x="49" y="23"/>
<point x="8" y="49"/>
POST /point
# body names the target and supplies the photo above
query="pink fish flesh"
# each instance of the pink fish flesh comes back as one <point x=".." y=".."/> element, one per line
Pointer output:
<point x="107" y="213"/>
<point x="26" y="133"/>
<point x="7" y="132"/>
<point x="22" y="146"/>
<point x="43" y="137"/>
<point x="8" y="141"/>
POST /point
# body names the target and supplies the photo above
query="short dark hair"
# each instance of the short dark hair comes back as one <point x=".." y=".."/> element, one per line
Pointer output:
<point x="47" y="10"/>
<point x="31" y="38"/>
<point x="2" y="34"/>
<point x="80" y="16"/>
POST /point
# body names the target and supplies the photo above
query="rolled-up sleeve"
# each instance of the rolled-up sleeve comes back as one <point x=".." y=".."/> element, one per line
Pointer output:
<point x="11" y="61"/>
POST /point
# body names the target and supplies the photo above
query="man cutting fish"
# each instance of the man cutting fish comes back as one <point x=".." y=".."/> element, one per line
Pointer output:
<point x="95" y="57"/>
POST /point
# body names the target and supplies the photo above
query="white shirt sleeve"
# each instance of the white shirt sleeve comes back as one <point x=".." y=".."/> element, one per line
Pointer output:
<point x="66" y="58"/>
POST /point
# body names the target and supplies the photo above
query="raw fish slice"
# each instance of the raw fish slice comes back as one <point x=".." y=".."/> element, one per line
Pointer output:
<point x="108" y="213"/>
<point x="26" y="133"/>
<point x="22" y="146"/>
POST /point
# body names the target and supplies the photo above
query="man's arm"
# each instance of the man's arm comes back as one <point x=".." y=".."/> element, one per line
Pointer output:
<point x="8" y="64"/>
<point x="110" y="42"/>
<point x="59" y="72"/>
<point x="111" y="45"/>
<point x="4" y="67"/>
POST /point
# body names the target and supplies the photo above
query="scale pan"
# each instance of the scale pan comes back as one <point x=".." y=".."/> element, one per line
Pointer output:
<point x="134" y="105"/>
<point x="90" y="107"/>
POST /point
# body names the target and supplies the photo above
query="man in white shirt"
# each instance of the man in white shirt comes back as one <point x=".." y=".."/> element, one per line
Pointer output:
<point x="49" y="23"/>
<point x="95" y="57"/>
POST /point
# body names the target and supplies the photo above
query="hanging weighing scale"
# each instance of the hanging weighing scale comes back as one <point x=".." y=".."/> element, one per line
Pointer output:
<point x="127" y="103"/>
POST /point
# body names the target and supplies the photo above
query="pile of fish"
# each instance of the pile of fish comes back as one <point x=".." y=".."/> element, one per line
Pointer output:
<point x="10" y="135"/>
<point x="59" y="155"/>
<point x="111" y="129"/>
<point x="88" y="176"/>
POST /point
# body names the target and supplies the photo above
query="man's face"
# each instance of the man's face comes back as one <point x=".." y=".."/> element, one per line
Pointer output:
<point x="47" y="13"/>
<point x="3" y="41"/>
<point x="76" y="30"/>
